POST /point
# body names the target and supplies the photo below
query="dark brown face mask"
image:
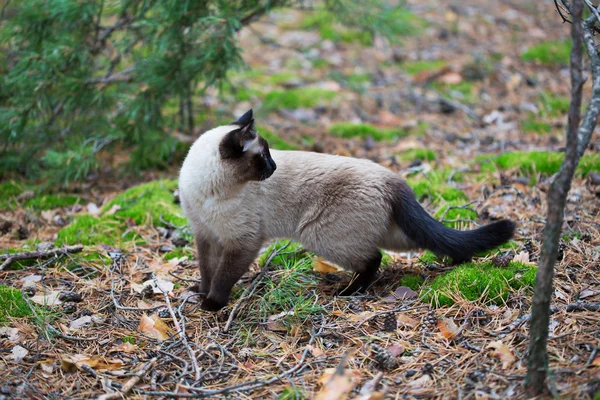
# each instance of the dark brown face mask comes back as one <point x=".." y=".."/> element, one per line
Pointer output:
<point x="246" y="152"/>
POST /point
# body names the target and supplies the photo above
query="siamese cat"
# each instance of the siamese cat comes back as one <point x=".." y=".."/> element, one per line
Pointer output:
<point x="237" y="194"/>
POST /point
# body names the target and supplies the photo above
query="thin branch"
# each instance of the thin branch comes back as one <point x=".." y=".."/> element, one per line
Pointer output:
<point x="130" y="383"/>
<point x="10" y="258"/>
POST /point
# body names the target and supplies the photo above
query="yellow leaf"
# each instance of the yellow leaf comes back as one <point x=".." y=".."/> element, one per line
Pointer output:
<point x="76" y="361"/>
<point x="324" y="267"/>
<point x="154" y="327"/>
<point x="503" y="352"/>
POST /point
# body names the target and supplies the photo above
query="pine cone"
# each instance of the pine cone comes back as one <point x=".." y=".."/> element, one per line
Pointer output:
<point x="427" y="369"/>
<point x="480" y="317"/>
<point x="561" y="250"/>
<point x="245" y="353"/>
<point x="528" y="246"/>
<point x="502" y="261"/>
<point x="69" y="307"/>
<point x="147" y="291"/>
<point x="430" y="319"/>
<point x="70" y="296"/>
<point x="389" y="322"/>
<point x="384" y="359"/>
<point x="355" y="306"/>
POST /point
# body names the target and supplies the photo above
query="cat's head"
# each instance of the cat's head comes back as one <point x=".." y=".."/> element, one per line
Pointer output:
<point x="243" y="150"/>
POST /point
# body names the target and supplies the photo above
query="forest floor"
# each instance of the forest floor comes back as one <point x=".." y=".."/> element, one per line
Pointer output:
<point x="470" y="110"/>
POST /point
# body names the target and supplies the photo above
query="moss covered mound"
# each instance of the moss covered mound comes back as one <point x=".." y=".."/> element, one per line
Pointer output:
<point x="479" y="282"/>
<point x="148" y="204"/>
<point x="549" y="53"/>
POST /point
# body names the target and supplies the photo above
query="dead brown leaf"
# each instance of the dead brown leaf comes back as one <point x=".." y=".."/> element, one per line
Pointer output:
<point x="503" y="352"/>
<point x="447" y="328"/>
<point x="124" y="347"/>
<point x="154" y="327"/>
<point x="406" y="320"/>
<point x="337" y="384"/>
<point x="450" y="78"/>
<point x="70" y="363"/>
<point x="401" y="293"/>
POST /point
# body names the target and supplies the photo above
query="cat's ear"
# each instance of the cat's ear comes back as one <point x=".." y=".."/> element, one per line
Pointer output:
<point x="246" y="119"/>
<point x="247" y="135"/>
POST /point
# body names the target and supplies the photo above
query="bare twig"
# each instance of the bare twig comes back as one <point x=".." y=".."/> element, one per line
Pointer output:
<point x="252" y="288"/>
<point x="9" y="258"/>
<point x="573" y="307"/>
<point x="130" y="383"/>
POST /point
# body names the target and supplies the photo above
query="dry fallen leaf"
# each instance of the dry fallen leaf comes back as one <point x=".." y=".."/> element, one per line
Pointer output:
<point x="596" y="362"/>
<point x="324" y="267"/>
<point x="450" y="78"/>
<point x="154" y="327"/>
<point x="396" y="349"/>
<point x="588" y="293"/>
<point x="80" y="322"/>
<point x="406" y="320"/>
<point x="503" y="352"/>
<point x="368" y="392"/>
<point x="401" y="293"/>
<point x="75" y="361"/>
<point x="163" y="286"/>
<point x="12" y="334"/>
<point x="337" y="383"/>
<point x="522" y="257"/>
<point x="48" y="299"/>
<point x="362" y="317"/>
<point x="314" y="350"/>
<point x="447" y="328"/>
<point x="124" y="347"/>
<point x="423" y="381"/>
<point x="18" y="353"/>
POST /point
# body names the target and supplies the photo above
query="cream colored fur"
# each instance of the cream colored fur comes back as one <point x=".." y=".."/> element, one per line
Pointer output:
<point x="338" y="207"/>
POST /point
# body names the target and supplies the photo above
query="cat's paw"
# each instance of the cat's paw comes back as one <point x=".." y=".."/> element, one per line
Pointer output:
<point x="209" y="304"/>
<point x="350" y="291"/>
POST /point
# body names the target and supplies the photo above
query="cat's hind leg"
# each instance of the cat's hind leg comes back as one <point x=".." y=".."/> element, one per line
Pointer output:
<point x="364" y="276"/>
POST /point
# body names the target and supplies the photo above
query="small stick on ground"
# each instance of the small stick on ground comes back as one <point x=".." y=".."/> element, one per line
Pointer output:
<point x="569" y="307"/>
<point x="130" y="383"/>
<point x="9" y="258"/>
<point x="252" y="288"/>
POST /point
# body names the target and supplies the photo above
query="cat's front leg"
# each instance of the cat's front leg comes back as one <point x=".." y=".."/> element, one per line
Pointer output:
<point x="204" y="248"/>
<point x="235" y="262"/>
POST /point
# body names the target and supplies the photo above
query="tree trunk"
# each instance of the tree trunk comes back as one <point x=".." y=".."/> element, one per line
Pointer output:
<point x="537" y="362"/>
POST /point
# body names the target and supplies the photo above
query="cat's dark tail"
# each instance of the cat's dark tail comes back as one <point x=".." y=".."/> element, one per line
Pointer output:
<point x="432" y="235"/>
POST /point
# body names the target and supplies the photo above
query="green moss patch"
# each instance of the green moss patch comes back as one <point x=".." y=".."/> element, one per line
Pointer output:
<point x="533" y="125"/>
<point x="12" y="304"/>
<point x="150" y="203"/>
<point x="307" y="97"/>
<point x="554" y="105"/>
<point x="479" y="282"/>
<point x="349" y="130"/>
<point x="538" y="162"/>
<point x="418" y="154"/>
<point x="51" y="201"/>
<point x="414" y="67"/>
<point x="464" y="90"/>
<point x="549" y="53"/>
<point x="275" y="141"/>
<point x="415" y="282"/>
<point x="329" y="27"/>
